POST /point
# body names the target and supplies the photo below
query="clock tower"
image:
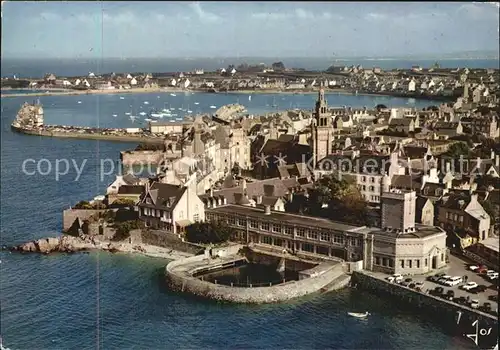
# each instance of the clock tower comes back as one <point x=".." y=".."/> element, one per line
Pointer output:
<point x="322" y="136"/>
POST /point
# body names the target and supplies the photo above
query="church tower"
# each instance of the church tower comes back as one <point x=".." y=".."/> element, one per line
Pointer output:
<point x="322" y="138"/>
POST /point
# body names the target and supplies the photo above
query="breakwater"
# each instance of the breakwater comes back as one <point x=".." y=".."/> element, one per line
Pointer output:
<point x="84" y="133"/>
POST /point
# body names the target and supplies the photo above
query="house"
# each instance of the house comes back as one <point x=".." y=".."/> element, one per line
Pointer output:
<point x="405" y="125"/>
<point x="171" y="207"/>
<point x="127" y="192"/>
<point x="464" y="216"/>
<point x="125" y="180"/>
<point x="133" y="81"/>
<point x="424" y="211"/>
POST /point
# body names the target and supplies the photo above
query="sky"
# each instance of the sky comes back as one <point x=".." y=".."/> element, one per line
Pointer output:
<point x="126" y="29"/>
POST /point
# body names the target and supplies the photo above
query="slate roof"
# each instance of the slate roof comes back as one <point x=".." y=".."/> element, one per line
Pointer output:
<point x="164" y="196"/>
<point x="131" y="189"/>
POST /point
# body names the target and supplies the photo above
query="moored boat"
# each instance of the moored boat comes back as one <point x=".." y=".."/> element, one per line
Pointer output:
<point x="358" y="314"/>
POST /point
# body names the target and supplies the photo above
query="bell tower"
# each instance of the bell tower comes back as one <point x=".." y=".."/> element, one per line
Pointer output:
<point x="322" y="138"/>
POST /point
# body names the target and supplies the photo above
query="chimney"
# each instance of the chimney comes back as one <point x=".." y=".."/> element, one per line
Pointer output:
<point x="497" y="160"/>
<point x="211" y="192"/>
<point x="492" y="154"/>
<point x="290" y="196"/>
<point x="267" y="210"/>
<point x="259" y="200"/>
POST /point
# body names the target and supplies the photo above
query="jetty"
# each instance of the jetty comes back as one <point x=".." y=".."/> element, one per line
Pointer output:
<point x="30" y="121"/>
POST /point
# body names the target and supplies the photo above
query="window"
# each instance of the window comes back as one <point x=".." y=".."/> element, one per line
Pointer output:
<point x="402" y="263"/>
<point x="312" y="235"/>
<point x="264" y="226"/>
<point x="418" y="263"/>
<point x="409" y="264"/>
<point x="232" y="220"/>
<point x="338" y="239"/>
<point x="391" y="263"/>
<point x="363" y="178"/>
<point x="242" y="222"/>
<point x="324" y="236"/>
<point x="442" y="256"/>
<point x="363" y="188"/>
<point x="308" y="247"/>
<point x="377" y="260"/>
<point x="301" y="232"/>
<point x="181" y="214"/>
<point x="266" y="240"/>
<point x="461" y="218"/>
<point x="289" y="230"/>
<point x="372" y="188"/>
<point x="372" y="179"/>
<point x="254" y="224"/>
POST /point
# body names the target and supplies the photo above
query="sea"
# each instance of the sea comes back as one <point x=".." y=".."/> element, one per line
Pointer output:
<point x="119" y="301"/>
<point x="35" y="68"/>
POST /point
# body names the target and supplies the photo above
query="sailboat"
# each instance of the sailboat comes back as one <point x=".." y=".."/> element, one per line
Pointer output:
<point x="122" y="98"/>
<point x="249" y="97"/>
<point x="213" y="107"/>
<point x="79" y="102"/>
<point x="172" y="94"/>
<point x="196" y="103"/>
<point x="274" y="105"/>
<point x="115" y="115"/>
<point x="146" y="102"/>
<point x="143" y="113"/>
<point x="358" y="314"/>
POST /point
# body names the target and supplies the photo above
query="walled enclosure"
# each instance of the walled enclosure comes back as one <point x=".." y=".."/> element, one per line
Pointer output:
<point x="179" y="278"/>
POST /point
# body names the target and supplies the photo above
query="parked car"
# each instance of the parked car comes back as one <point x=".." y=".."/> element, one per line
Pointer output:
<point x="443" y="279"/>
<point x="438" y="291"/>
<point x="450" y="295"/>
<point x="406" y="282"/>
<point x="396" y="278"/>
<point x="492" y="276"/>
<point x="419" y="286"/>
<point x="493" y="298"/>
<point x="479" y="289"/>
<point x="434" y="278"/>
<point x="453" y="281"/>
<point x="460" y="300"/>
<point x="486" y="307"/>
<point x="473" y="267"/>
<point x="482" y="269"/>
<point x="474" y="303"/>
<point x="469" y="285"/>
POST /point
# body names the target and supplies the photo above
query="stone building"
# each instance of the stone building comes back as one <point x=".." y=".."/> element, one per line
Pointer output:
<point x="322" y="130"/>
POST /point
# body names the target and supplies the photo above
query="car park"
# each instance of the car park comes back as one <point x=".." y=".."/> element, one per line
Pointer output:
<point x="486" y="307"/>
<point x="482" y="269"/>
<point x="437" y="291"/>
<point x="450" y="295"/>
<point x="473" y="267"/>
<point x="479" y="289"/>
<point x="435" y="278"/>
<point x="419" y="286"/>
<point x="453" y="281"/>
<point x="493" y="298"/>
<point x="469" y="285"/>
<point x="460" y="300"/>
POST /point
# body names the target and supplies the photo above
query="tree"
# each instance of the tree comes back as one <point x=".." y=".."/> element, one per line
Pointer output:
<point x="278" y="66"/>
<point x="122" y="229"/>
<point x="459" y="149"/>
<point x="208" y="232"/>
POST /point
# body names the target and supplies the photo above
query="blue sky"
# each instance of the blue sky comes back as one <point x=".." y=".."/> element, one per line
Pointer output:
<point x="257" y="29"/>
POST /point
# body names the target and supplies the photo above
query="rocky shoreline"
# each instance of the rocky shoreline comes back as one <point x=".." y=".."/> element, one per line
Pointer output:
<point x="72" y="244"/>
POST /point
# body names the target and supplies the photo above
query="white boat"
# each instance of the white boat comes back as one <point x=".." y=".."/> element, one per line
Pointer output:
<point x="213" y="107"/>
<point x="172" y="108"/>
<point x="156" y="115"/>
<point x="115" y="115"/>
<point x="122" y="98"/>
<point x="127" y="113"/>
<point x="173" y="95"/>
<point x="146" y="102"/>
<point x="179" y="119"/>
<point x="358" y="314"/>
<point x="142" y="113"/>
<point x="164" y="110"/>
<point x="79" y="101"/>
<point x="179" y="109"/>
<point x="249" y="97"/>
<point x="189" y="111"/>
<point x="148" y="120"/>
<point x="133" y="117"/>
<point x="154" y="121"/>
<point x="196" y="103"/>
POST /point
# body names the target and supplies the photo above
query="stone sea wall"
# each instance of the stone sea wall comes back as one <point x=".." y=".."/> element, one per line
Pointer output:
<point x="180" y="280"/>
<point x="437" y="306"/>
<point x="70" y="215"/>
<point x="168" y="240"/>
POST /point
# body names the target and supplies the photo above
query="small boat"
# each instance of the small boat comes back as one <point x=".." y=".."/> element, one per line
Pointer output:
<point x="189" y="111"/>
<point x="146" y="102"/>
<point x="156" y="115"/>
<point x="179" y="109"/>
<point x="358" y="314"/>
<point x="213" y="107"/>
<point x="133" y="117"/>
<point x="148" y="120"/>
<point x="154" y="121"/>
<point x="179" y="119"/>
<point x="142" y="113"/>
<point x="249" y="97"/>
<point x="79" y="102"/>
<point x="157" y="96"/>
<point x="115" y="115"/>
<point x="172" y="108"/>
<point x="196" y="103"/>
<point x="173" y="95"/>
<point x="127" y="113"/>
<point x="122" y="98"/>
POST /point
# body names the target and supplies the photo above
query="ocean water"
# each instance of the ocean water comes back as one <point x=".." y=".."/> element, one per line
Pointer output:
<point x="66" y="67"/>
<point x="100" y="300"/>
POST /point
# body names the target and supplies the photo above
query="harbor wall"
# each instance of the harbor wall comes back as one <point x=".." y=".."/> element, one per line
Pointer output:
<point x="169" y="240"/>
<point x="438" y="306"/>
<point x="181" y="280"/>
<point x="88" y="136"/>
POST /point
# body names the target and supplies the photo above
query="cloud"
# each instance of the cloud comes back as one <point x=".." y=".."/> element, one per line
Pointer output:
<point x="478" y="11"/>
<point x="376" y="16"/>
<point x="299" y="13"/>
<point x="202" y="14"/>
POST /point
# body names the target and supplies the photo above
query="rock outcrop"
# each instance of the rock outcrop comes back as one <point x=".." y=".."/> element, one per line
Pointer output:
<point x="57" y="244"/>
